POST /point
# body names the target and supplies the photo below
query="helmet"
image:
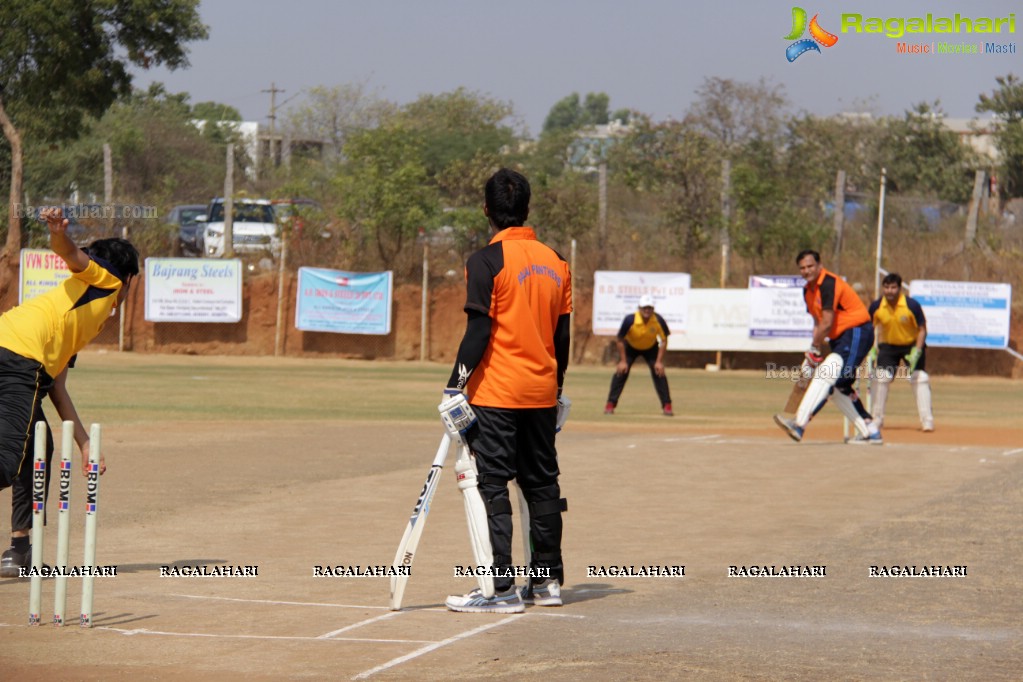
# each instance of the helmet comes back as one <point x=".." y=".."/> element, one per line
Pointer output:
<point x="646" y="301"/>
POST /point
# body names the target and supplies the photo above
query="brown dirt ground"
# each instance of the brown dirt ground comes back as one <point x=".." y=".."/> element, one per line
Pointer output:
<point x="288" y="496"/>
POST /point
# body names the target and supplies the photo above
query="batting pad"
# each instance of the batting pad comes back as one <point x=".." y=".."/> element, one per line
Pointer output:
<point x="817" y="392"/>
<point x="476" y="516"/>
<point x="527" y="542"/>
<point x="921" y="383"/>
<point x="845" y="404"/>
<point x="879" y="398"/>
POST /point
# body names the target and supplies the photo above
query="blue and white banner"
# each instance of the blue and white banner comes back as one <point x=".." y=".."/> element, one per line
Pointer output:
<point x="965" y="314"/>
<point x="343" y="302"/>
<point x="777" y="307"/>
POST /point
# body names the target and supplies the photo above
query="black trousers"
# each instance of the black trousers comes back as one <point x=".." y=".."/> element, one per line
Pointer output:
<point x="23" y="385"/>
<point x="618" y="380"/>
<point x="519" y="444"/>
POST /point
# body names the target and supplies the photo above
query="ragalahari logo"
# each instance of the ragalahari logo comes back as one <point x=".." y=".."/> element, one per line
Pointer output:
<point x="803" y="45"/>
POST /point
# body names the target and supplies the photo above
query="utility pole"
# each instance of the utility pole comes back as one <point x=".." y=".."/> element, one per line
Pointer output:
<point x="273" y="119"/>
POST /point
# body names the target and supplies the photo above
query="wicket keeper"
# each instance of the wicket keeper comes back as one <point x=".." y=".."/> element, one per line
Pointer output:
<point x="901" y="337"/>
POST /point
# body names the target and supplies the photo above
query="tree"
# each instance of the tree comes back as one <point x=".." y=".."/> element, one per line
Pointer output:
<point x="215" y="111"/>
<point x="386" y="189"/>
<point x="817" y="148"/>
<point x="775" y="214"/>
<point x="682" y="167"/>
<point x="926" y="158"/>
<point x="1006" y="103"/>
<point x="734" y="113"/>
<point x="158" y="153"/>
<point x="595" y="108"/>
<point x="61" y="60"/>
<point x="458" y="126"/>
<point x="569" y="113"/>
<point x="564" y="115"/>
<point x="332" y="114"/>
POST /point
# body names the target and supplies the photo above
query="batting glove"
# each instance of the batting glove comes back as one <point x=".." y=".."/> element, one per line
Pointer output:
<point x="457" y="416"/>
<point x="564" y="407"/>
<point x="913" y="358"/>
<point x="872" y="356"/>
<point x="814" y="357"/>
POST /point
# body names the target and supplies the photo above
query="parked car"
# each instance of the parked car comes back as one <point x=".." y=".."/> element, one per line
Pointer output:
<point x="255" y="229"/>
<point x="190" y="230"/>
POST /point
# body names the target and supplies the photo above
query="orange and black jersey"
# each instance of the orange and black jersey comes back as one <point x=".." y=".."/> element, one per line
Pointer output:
<point x="830" y="292"/>
<point x="519" y="289"/>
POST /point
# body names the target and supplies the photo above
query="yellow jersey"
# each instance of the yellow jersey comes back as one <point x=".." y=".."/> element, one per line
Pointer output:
<point x="643" y="335"/>
<point x="52" y="327"/>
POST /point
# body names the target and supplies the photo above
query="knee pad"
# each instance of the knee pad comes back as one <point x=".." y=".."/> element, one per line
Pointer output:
<point x="545" y="501"/>
<point x="496" y="500"/>
<point x="919" y="377"/>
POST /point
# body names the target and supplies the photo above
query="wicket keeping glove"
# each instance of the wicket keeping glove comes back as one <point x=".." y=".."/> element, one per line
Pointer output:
<point x="456" y="415"/>
<point x="913" y="358"/>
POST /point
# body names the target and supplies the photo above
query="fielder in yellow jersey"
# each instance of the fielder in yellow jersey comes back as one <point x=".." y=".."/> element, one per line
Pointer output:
<point x="38" y="342"/>
<point x="642" y="334"/>
<point x="901" y="332"/>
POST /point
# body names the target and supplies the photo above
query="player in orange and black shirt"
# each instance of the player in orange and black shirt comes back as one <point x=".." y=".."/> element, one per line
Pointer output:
<point x="841" y="319"/>
<point x="511" y="363"/>
<point x="39" y="340"/>
<point x="643" y="334"/>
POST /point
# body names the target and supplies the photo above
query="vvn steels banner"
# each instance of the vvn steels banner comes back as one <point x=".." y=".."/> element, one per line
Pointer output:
<point x="343" y="302"/>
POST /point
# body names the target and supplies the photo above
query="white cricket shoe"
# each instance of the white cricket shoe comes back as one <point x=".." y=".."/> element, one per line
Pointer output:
<point x="475" y="602"/>
<point x="547" y="593"/>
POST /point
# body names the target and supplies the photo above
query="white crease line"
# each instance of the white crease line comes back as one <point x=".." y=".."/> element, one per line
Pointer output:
<point x="411" y="609"/>
<point x="385" y="616"/>
<point x="431" y="647"/>
<point x="283" y="603"/>
<point x="693" y="439"/>
<point x="1009" y="453"/>
<point x="143" y="631"/>
<point x="530" y="612"/>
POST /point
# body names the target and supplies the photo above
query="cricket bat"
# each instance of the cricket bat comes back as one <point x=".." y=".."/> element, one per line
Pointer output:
<point x="799" y="388"/>
<point x="417" y="521"/>
<point x="796" y="396"/>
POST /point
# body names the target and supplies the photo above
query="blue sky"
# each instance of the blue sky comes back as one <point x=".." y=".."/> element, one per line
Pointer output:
<point x="649" y="55"/>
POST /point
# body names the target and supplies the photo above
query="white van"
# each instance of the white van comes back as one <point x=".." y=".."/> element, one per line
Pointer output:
<point x="255" y="228"/>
